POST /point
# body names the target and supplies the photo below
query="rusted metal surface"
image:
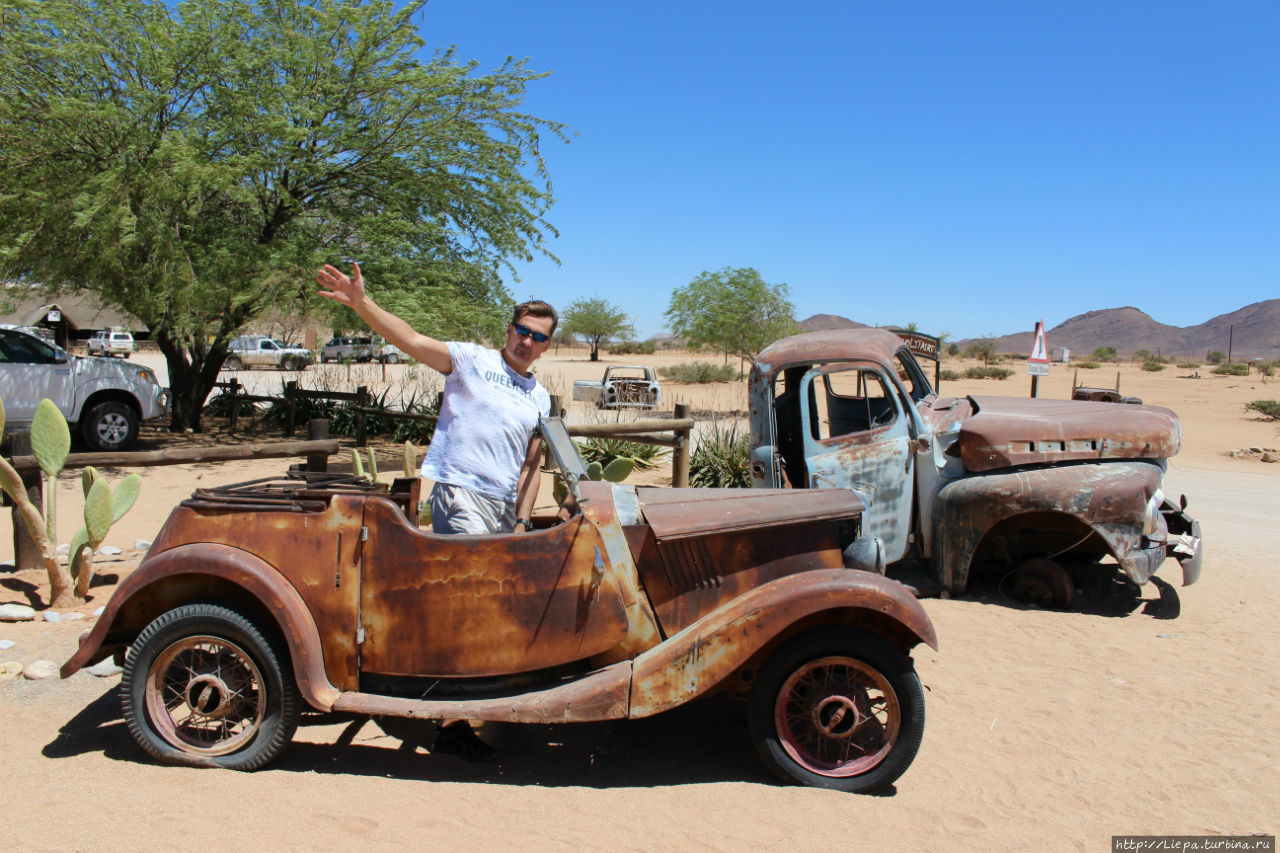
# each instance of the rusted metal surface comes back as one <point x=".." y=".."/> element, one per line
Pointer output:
<point x="600" y="695"/>
<point x="832" y="345"/>
<point x="700" y="657"/>
<point x="182" y="575"/>
<point x="1005" y="432"/>
<point x="1105" y="497"/>
<point x="435" y="605"/>
<point x="678" y="513"/>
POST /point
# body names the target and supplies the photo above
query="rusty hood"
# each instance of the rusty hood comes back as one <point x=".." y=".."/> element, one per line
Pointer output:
<point x="679" y="513"/>
<point x="1004" y="432"/>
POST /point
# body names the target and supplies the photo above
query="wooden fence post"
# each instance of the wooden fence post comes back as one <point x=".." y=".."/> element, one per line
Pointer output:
<point x="235" y="403"/>
<point x="317" y="429"/>
<point x="291" y="401"/>
<point x="26" y="554"/>
<point x="680" y="456"/>
<point x="362" y="399"/>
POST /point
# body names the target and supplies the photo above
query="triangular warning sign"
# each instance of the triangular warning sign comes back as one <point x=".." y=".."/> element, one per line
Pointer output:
<point x="1039" y="351"/>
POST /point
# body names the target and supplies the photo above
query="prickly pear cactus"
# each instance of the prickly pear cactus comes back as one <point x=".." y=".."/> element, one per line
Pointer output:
<point x="50" y="444"/>
<point x="410" y="459"/>
<point x="102" y="508"/>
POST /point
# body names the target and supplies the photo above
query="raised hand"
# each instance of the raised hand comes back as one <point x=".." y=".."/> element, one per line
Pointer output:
<point x="349" y="290"/>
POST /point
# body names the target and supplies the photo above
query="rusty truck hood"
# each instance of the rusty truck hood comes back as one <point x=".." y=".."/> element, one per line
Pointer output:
<point x="1004" y="432"/>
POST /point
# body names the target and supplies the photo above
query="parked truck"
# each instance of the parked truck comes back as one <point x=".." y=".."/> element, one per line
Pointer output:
<point x="623" y="386"/>
<point x="1037" y="491"/>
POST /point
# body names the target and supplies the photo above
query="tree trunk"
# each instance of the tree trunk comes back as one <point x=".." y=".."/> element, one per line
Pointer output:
<point x="595" y="353"/>
<point x="191" y="378"/>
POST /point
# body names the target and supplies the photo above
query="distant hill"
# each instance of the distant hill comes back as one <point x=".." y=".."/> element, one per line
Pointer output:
<point x="1256" y="333"/>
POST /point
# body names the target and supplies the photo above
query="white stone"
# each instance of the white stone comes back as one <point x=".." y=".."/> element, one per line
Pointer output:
<point x="7" y="644"/>
<point x="141" y="544"/>
<point x="110" y="550"/>
<point x="39" y="669"/>
<point x="51" y="616"/>
<point x="16" y="613"/>
<point x="72" y="616"/>
<point x="104" y="668"/>
<point x="9" y="670"/>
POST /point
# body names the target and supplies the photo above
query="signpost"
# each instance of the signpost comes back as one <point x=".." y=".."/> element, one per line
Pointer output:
<point x="1038" y="363"/>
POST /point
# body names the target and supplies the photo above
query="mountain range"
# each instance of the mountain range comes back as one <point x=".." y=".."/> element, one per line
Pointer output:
<point x="1250" y="332"/>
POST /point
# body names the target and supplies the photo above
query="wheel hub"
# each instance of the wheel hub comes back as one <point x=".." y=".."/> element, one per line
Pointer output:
<point x="208" y="696"/>
<point x="836" y="717"/>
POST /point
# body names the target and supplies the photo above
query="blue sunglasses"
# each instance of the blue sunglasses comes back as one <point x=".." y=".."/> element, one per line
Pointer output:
<point x="526" y="332"/>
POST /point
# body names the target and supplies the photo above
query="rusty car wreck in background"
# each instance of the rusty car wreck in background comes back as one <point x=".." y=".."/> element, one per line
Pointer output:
<point x="255" y="599"/>
<point x="1035" y="491"/>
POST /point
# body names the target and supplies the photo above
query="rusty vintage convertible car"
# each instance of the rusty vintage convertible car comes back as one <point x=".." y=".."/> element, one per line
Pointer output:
<point x="257" y="599"/>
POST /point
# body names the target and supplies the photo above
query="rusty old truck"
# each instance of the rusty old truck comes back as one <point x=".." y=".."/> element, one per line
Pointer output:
<point x="1035" y="492"/>
<point x="258" y="600"/>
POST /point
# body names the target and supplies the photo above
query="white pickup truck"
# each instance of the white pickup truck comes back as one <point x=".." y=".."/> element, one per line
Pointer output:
<point x="623" y="386"/>
<point x="107" y="399"/>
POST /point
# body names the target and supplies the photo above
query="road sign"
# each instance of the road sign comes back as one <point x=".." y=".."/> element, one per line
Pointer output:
<point x="1035" y="368"/>
<point x="1038" y="363"/>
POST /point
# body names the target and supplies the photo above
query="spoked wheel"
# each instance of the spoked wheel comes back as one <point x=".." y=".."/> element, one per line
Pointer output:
<point x="203" y="687"/>
<point x="838" y="708"/>
<point x="1043" y="582"/>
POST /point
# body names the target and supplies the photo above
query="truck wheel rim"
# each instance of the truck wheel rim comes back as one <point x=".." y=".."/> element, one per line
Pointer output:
<point x="113" y="428"/>
<point x="205" y="696"/>
<point x="837" y="716"/>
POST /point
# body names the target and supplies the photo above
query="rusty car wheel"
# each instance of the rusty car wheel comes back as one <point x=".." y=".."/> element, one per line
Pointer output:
<point x="1042" y="582"/>
<point x="202" y="686"/>
<point x="838" y="708"/>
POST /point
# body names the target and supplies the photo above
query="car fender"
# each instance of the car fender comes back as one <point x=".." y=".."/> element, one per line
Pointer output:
<point x="137" y="595"/>
<point x="117" y="385"/>
<point x="1109" y="497"/>
<point x="700" y="657"/>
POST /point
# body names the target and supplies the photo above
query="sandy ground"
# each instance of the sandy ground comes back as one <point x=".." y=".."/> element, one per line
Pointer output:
<point x="1148" y="715"/>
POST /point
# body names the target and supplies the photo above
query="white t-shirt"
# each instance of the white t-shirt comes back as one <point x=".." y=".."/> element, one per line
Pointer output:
<point x="488" y="416"/>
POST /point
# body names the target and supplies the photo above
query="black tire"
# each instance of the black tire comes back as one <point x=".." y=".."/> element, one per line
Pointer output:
<point x="203" y="687"/>
<point x="392" y="359"/>
<point x="233" y="363"/>
<point x="838" y="708"/>
<point x="290" y="364"/>
<point x="1043" y="582"/>
<point x="109" y="426"/>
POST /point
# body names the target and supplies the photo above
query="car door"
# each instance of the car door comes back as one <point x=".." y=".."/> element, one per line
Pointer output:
<point x="31" y="370"/>
<point x="858" y="436"/>
<point x="267" y="353"/>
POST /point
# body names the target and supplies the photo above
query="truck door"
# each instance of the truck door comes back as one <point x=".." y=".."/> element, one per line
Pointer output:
<point x="856" y="435"/>
<point x="31" y="370"/>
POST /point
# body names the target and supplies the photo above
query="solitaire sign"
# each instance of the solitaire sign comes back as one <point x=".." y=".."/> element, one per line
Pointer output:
<point x="1038" y="363"/>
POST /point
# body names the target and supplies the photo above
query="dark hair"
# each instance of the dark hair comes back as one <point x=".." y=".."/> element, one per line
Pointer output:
<point x="536" y="308"/>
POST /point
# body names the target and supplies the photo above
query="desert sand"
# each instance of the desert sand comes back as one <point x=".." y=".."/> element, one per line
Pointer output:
<point x="1046" y="730"/>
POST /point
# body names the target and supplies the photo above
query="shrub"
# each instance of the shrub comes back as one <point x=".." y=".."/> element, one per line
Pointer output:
<point x="1152" y="366"/>
<point x="1103" y="354"/>
<point x="220" y="407"/>
<point x="1266" y="368"/>
<point x="948" y="375"/>
<point x="1142" y="355"/>
<point x="1215" y="357"/>
<point x="1266" y="408"/>
<point x="721" y="459"/>
<point x="632" y="348"/>
<point x="953" y="349"/>
<point x="987" y="373"/>
<point x="1234" y="368"/>
<point x="1086" y="365"/>
<point x="698" y="372"/>
<point x="1189" y="365"/>
<point x="605" y="450"/>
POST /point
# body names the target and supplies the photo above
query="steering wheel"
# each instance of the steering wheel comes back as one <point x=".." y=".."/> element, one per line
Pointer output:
<point x="883" y="417"/>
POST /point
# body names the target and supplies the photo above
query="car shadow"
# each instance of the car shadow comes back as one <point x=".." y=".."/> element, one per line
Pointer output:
<point x="1104" y="593"/>
<point x="705" y="741"/>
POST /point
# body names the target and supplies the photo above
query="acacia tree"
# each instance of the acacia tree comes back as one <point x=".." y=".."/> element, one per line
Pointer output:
<point x="734" y="310"/>
<point x="596" y="321"/>
<point x="193" y="163"/>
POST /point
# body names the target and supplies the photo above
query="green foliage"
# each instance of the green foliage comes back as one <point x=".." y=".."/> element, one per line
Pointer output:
<point x="1153" y="366"/>
<point x="1266" y="368"/>
<point x="632" y="348"/>
<point x="1107" y="353"/>
<point x="193" y="163"/>
<point x="219" y="406"/>
<point x="953" y="349"/>
<point x="733" y="310"/>
<point x="984" y="349"/>
<point x="1086" y="365"/>
<point x="698" y="373"/>
<point x="721" y="459"/>
<point x="50" y="438"/>
<point x="1142" y="355"/>
<point x="1189" y="365"/>
<point x="595" y="321"/>
<point x="1267" y="408"/>
<point x="1215" y="357"/>
<point x="604" y="450"/>
<point x="987" y="373"/>
<point x="948" y="375"/>
<point x="1233" y="368"/>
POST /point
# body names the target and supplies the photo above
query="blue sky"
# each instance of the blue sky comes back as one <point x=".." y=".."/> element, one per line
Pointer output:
<point x="968" y="166"/>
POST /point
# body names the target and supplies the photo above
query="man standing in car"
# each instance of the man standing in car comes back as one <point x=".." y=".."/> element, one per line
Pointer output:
<point x="485" y="454"/>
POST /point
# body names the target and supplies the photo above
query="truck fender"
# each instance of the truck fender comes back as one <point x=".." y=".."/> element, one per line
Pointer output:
<point x="238" y="567"/>
<point x="1109" y="497"/>
<point x="117" y="386"/>
<point x="698" y="658"/>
